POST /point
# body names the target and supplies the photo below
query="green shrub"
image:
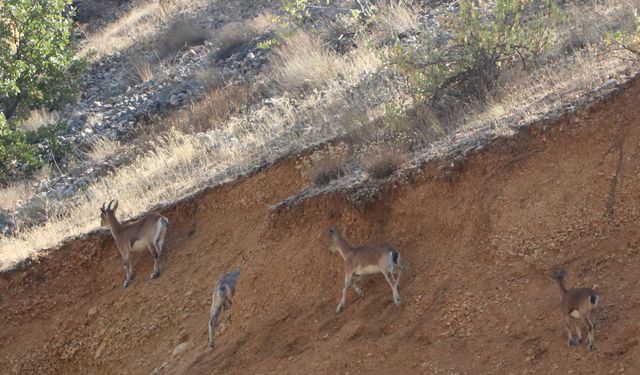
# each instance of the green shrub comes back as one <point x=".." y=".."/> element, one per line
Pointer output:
<point x="37" y="64"/>
<point x="480" y="42"/>
<point x="23" y="152"/>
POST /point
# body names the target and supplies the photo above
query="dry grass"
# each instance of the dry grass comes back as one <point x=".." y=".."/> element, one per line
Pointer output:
<point x="136" y="26"/>
<point x="397" y="17"/>
<point x="213" y="111"/>
<point x="102" y="148"/>
<point x="303" y="64"/>
<point x="12" y="196"/>
<point x="142" y="70"/>
<point x="39" y="118"/>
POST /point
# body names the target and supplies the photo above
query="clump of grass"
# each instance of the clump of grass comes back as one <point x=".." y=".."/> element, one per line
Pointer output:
<point x="381" y="161"/>
<point x="39" y="118"/>
<point x="397" y="18"/>
<point x="13" y="195"/>
<point x="212" y="111"/>
<point x="143" y="70"/>
<point x="326" y="165"/>
<point x="301" y="64"/>
<point x="102" y="148"/>
<point x="137" y="25"/>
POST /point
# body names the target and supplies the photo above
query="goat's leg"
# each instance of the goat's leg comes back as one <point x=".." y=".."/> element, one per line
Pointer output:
<point x="348" y="281"/>
<point x="394" y="288"/>
<point x="156" y="260"/>
<point x="125" y="253"/>
<point x="160" y="241"/>
<point x="399" y="273"/>
<point x="356" y="288"/>
<point x="578" y="334"/>
<point x="567" y="324"/>
<point x="215" y="312"/>
<point x="228" y="298"/>
<point x="592" y="332"/>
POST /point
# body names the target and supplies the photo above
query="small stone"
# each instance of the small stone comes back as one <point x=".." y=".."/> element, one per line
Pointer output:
<point x="92" y="311"/>
<point x="180" y="349"/>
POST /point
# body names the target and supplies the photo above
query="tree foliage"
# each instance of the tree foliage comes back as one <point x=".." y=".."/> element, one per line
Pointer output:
<point x="37" y="64"/>
<point x="37" y="70"/>
<point x="480" y="41"/>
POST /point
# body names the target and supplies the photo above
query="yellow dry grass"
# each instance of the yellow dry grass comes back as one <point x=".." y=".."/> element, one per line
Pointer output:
<point x="135" y="26"/>
<point x="102" y="148"/>
<point x="302" y="63"/>
<point x="39" y="118"/>
<point x="13" y="195"/>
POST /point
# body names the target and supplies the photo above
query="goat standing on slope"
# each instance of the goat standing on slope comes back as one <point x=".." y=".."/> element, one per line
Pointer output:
<point x="222" y="299"/>
<point x="366" y="260"/>
<point x="147" y="232"/>
<point x="577" y="304"/>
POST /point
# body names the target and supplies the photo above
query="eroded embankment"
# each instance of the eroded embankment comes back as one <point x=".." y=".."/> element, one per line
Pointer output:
<point x="478" y="246"/>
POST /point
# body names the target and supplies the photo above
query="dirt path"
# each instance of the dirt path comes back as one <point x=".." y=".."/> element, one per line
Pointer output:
<point x="476" y="294"/>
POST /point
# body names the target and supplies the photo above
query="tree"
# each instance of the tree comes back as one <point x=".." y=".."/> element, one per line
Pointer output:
<point x="37" y="64"/>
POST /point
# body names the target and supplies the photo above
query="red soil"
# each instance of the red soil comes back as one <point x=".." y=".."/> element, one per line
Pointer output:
<point x="478" y="248"/>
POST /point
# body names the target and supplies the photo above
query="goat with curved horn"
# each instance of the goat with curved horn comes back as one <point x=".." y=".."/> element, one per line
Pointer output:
<point x="147" y="232"/>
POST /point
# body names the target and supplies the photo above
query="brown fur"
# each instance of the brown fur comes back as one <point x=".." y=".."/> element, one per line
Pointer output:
<point x="222" y="299"/>
<point x="364" y="260"/>
<point x="148" y="231"/>
<point x="577" y="304"/>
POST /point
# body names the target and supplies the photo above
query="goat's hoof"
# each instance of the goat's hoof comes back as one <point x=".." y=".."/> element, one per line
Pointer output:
<point x="212" y="344"/>
<point x="397" y="301"/>
<point x="126" y="284"/>
<point x="155" y="274"/>
<point x="338" y="309"/>
<point x="360" y="292"/>
<point x="590" y="346"/>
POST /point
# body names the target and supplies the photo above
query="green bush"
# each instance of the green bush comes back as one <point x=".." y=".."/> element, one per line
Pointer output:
<point x="37" y="64"/>
<point x="23" y="152"/>
<point x="480" y="42"/>
<point x="37" y="70"/>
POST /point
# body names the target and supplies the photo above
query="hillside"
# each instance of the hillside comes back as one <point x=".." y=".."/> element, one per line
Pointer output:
<point x="478" y="242"/>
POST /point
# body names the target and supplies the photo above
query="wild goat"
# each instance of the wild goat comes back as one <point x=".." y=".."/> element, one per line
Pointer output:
<point x="577" y="304"/>
<point x="147" y="232"/>
<point x="222" y="299"/>
<point x="366" y="260"/>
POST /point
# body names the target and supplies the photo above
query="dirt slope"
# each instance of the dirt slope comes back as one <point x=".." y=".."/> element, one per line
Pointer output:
<point x="476" y="295"/>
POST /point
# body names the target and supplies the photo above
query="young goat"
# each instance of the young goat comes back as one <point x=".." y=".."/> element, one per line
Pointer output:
<point x="222" y="299"/>
<point x="147" y="232"/>
<point x="577" y="304"/>
<point x="366" y="260"/>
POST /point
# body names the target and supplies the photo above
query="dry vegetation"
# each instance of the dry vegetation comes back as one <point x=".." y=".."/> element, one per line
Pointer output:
<point x="231" y="131"/>
<point x="12" y="196"/>
<point x="39" y="118"/>
<point x="102" y="148"/>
